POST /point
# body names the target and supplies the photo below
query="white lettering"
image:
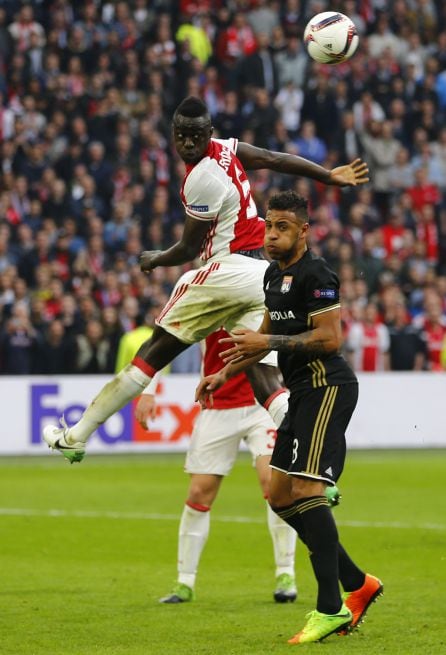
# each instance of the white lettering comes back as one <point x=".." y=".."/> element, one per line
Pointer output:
<point x="225" y="159"/>
<point x="281" y="316"/>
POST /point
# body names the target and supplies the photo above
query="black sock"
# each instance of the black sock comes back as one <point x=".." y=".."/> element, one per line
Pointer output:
<point x="313" y="521"/>
<point x="322" y="541"/>
<point x="291" y="515"/>
<point x="350" y="575"/>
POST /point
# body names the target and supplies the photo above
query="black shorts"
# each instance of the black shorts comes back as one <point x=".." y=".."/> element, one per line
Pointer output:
<point x="311" y="440"/>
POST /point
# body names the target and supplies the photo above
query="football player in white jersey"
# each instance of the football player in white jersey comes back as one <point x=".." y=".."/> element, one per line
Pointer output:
<point x="222" y="227"/>
<point x="218" y="431"/>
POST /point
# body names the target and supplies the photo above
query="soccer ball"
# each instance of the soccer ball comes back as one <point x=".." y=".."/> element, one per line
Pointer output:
<point x="331" y="37"/>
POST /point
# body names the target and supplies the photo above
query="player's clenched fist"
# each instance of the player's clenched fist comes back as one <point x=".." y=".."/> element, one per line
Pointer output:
<point x="147" y="260"/>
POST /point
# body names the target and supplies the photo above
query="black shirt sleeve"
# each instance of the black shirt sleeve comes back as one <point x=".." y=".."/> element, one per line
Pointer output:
<point x="321" y="288"/>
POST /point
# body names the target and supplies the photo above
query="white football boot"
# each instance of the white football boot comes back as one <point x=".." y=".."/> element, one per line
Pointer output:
<point x="55" y="438"/>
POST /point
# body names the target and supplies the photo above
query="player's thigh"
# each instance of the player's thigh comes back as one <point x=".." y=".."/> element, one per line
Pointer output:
<point x="311" y="440"/>
<point x="259" y="431"/>
<point x="216" y="294"/>
<point x="215" y="442"/>
<point x="249" y="288"/>
<point x="283" y="448"/>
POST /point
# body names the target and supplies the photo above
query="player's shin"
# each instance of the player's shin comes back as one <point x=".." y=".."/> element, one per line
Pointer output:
<point x="350" y="575"/>
<point x="117" y="393"/>
<point x="321" y="538"/>
<point x="193" y="534"/>
<point x="284" y="543"/>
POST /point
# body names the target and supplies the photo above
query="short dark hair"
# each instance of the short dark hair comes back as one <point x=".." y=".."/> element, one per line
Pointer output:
<point x="290" y="201"/>
<point x="192" y="107"/>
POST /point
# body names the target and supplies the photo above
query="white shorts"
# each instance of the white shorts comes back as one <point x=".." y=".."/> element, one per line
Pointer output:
<point x="225" y="293"/>
<point x="217" y="435"/>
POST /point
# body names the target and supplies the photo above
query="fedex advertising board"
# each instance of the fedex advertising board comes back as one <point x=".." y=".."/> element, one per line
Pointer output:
<point x="395" y="410"/>
<point x="32" y="402"/>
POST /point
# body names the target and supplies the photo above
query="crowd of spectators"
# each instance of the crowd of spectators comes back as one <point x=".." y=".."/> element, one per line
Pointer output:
<point x="89" y="177"/>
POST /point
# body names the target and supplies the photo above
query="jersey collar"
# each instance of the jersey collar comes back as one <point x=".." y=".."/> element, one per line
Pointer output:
<point x="208" y="153"/>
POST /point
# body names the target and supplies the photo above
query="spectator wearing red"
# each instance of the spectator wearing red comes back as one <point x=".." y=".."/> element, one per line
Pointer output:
<point x="394" y="233"/>
<point x="433" y="326"/>
<point x="423" y="192"/>
<point x="237" y="40"/>
<point x="427" y="232"/>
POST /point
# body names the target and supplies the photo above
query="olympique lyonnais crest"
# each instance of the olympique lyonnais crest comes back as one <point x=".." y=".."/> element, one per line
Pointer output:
<point x="286" y="283"/>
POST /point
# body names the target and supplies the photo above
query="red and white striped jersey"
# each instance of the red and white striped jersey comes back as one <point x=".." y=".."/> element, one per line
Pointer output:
<point x="368" y="343"/>
<point x="217" y="190"/>
<point x="434" y="335"/>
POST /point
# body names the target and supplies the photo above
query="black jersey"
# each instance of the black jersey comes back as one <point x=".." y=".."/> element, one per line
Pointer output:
<point x="292" y="297"/>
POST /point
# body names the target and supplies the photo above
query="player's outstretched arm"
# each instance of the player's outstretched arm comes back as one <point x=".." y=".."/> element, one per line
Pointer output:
<point x="357" y="172"/>
<point x="183" y="251"/>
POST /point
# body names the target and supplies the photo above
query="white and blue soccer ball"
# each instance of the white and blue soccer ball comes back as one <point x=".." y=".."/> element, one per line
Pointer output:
<point x="331" y="37"/>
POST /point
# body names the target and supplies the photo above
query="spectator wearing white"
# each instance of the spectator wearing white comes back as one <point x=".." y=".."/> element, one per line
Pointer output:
<point x="22" y="28"/>
<point x="289" y="102"/>
<point x="7" y="120"/>
<point x="33" y="120"/>
<point x="401" y="174"/>
<point x="429" y="158"/>
<point x="366" y="109"/>
<point x="416" y="55"/>
<point x="438" y="149"/>
<point x="263" y="18"/>
<point x="380" y="148"/>
<point x="384" y="39"/>
<point x="368" y="341"/>
<point x="292" y="63"/>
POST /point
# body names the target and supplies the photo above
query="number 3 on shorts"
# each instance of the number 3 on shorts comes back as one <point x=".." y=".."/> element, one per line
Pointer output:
<point x="295" y="446"/>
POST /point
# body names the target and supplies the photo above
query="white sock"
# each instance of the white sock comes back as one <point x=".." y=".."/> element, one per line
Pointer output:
<point x="284" y="543"/>
<point x="117" y="393"/>
<point x="277" y="405"/>
<point x="193" y="534"/>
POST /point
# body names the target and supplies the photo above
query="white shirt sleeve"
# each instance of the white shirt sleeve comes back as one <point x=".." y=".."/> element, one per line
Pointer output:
<point x="204" y="193"/>
<point x="354" y="338"/>
<point x="384" y="338"/>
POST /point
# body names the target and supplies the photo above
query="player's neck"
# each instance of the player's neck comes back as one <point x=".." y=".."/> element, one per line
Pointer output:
<point x="294" y="258"/>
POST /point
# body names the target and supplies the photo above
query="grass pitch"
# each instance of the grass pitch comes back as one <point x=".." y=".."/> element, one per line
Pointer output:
<point x="87" y="550"/>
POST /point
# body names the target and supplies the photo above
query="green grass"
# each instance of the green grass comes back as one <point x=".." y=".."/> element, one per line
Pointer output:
<point x="86" y="580"/>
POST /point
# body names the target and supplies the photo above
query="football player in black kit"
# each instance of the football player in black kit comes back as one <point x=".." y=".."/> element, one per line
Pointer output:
<point x="302" y="322"/>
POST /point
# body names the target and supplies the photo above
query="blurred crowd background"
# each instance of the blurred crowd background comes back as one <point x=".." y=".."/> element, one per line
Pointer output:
<point x="89" y="177"/>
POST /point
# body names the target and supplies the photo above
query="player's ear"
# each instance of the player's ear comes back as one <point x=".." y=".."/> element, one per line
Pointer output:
<point x="211" y="130"/>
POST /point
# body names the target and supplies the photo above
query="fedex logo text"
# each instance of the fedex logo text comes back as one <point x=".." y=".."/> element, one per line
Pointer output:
<point x="46" y="409"/>
<point x="174" y="421"/>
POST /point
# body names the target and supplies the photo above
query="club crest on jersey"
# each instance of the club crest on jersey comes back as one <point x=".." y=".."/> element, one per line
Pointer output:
<point x="286" y="283"/>
<point x="324" y="293"/>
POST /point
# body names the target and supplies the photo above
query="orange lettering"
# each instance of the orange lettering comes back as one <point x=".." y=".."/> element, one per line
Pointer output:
<point x="185" y="418"/>
<point x="184" y="424"/>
